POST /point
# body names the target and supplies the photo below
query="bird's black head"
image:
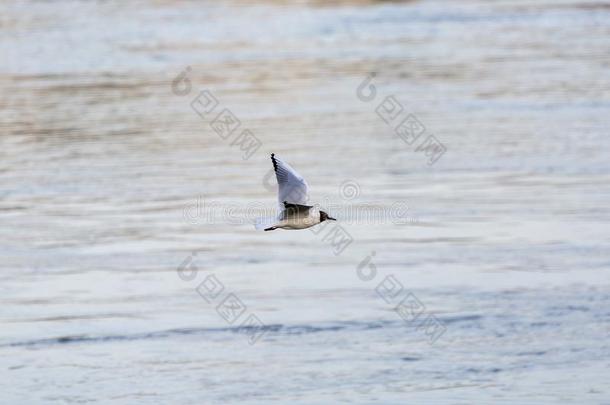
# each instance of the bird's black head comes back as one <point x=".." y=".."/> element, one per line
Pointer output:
<point x="324" y="217"/>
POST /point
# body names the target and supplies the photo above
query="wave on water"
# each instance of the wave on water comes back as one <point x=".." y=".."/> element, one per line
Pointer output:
<point x="270" y="330"/>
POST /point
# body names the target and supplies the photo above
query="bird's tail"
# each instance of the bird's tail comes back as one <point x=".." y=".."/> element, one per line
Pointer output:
<point x="265" y="222"/>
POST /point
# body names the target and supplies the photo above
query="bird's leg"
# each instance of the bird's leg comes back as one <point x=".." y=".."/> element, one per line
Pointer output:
<point x="270" y="229"/>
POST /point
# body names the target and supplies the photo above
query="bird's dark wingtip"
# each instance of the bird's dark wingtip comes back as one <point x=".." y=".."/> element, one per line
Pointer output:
<point x="274" y="161"/>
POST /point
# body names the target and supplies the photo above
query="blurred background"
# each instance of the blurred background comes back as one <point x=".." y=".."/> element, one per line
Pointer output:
<point x="500" y="247"/>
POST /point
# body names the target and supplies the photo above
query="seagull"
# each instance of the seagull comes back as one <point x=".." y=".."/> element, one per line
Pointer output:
<point x="292" y="197"/>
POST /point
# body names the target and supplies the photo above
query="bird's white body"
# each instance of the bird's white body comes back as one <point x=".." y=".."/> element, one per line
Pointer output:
<point x="299" y="221"/>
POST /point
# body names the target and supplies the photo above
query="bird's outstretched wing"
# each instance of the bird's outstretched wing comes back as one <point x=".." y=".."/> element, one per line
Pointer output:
<point x="292" y="187"/>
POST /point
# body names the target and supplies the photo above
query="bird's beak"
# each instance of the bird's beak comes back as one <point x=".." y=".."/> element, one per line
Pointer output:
<point x="331" y="219"/>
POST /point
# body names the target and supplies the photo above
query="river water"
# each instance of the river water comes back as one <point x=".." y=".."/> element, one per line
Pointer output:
<point x="470" y="262"/>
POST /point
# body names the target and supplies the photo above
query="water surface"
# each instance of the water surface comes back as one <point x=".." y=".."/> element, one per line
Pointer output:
<point x="503" y="239"/>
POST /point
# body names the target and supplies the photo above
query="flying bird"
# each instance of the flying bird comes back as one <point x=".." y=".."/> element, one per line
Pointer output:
<point x="292" y="198"/>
